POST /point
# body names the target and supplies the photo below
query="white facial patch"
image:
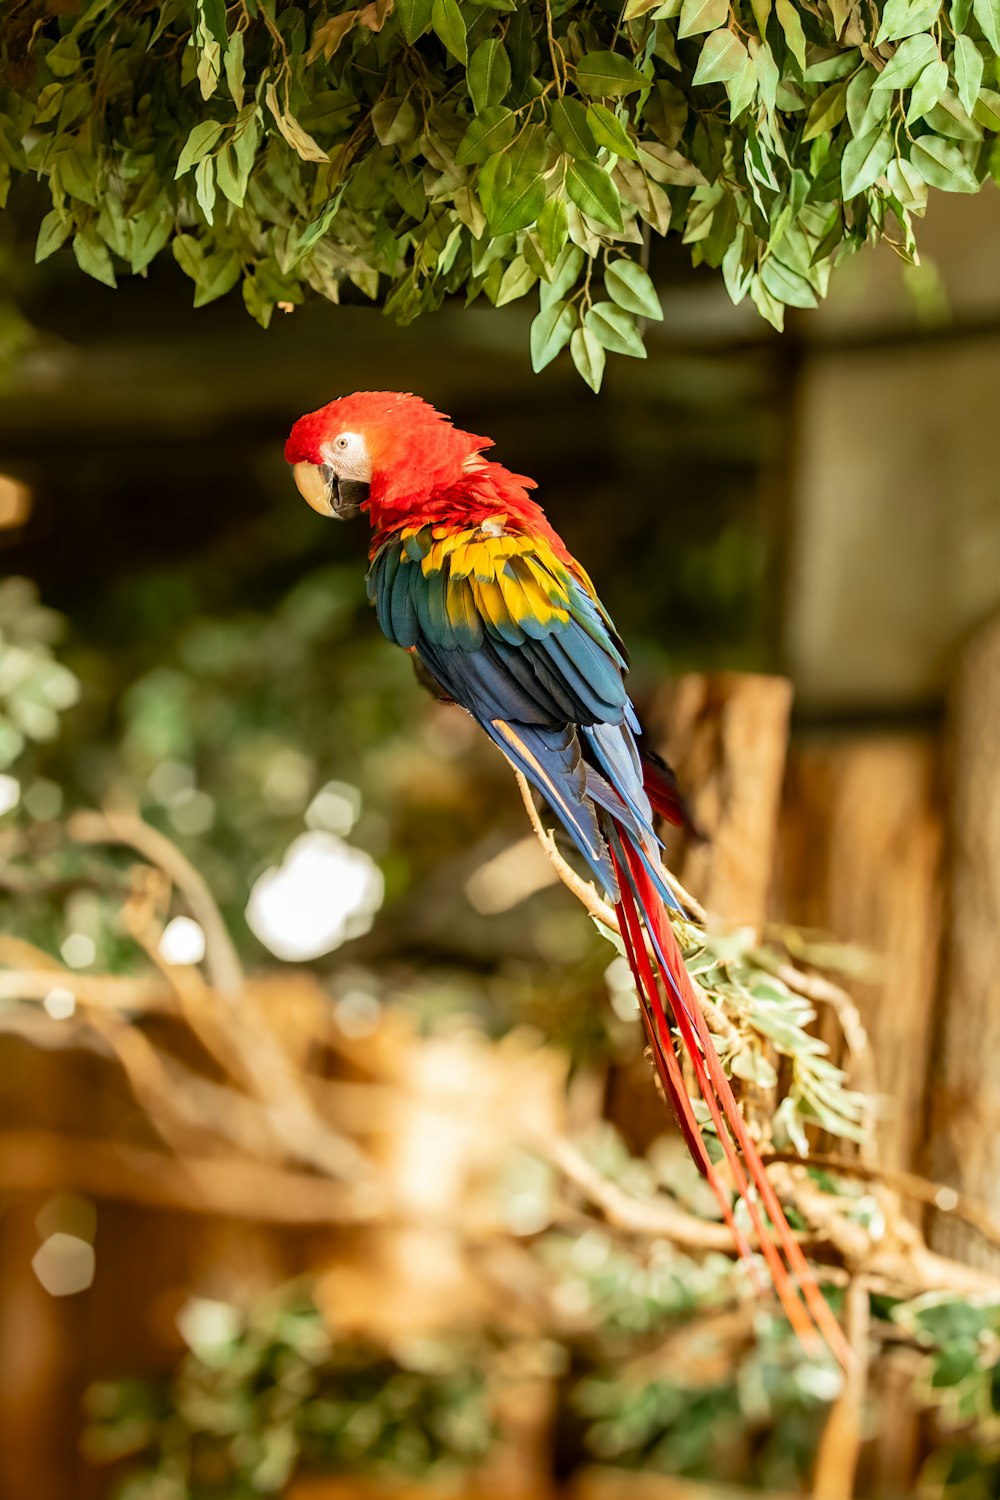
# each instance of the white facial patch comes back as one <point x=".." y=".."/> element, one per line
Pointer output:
<point x="347" y="456"/>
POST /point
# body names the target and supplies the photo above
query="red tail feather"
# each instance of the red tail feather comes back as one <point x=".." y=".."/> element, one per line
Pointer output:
<point x="717" y="1093"/>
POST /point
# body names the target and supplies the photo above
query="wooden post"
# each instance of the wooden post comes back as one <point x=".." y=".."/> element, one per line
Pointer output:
<point x="860" y="863"/>
<point x="965" y="1115"/>
<point x="727" y="741"/>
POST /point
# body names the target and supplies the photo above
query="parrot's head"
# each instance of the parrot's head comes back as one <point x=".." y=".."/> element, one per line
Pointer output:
<point x="384" y="451"/>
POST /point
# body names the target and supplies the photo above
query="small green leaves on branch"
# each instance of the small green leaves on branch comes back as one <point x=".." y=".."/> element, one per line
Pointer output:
<point x="406" y="151"/>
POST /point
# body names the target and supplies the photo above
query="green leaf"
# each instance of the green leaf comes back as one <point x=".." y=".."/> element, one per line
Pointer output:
<point x="865" y="159"/>
<point x="615" y="329"/>
<point x="987" y="13"/>
<point x="233" y="64"/>
<point x="722" y="57"/>
<point x="217" y="275"/>
<point x="78" y="175"/>
<point x="702" y="15"/>
<point x="961" y="10"/>
<point x="949" y="118"/>
<point x="786" y="284"/>
<point x="942" y="165"/>
<point x="664" y="165"/>
<point x="55" y="229"/>
<point x="449" y="27"/>
<point x="631" y="287"/>
<point x="204" y="183"/>
<point x="565" y="274"/>
<point x="245" y="143"/>
<point x="906" y="185"/>
<point x="791" y="25"/>
<point x="905" y="18"/>
<point x="968" y="66"/>
<point x="550" y="332"/>
<point x="761" y="14"/>
<point x="188" y="254"/>
<point x="987" y="110"/>
<point x="862" y="98"/>
<point x="228" y="178"/>
<point x="553" y="229"/>
<point x="414" y="17"/>
<point x="742" y="89"/>
<point x="594" y="193"/>
<point x="568" y="119"/>
<point x="489" y="74"/>
<point x="322" y="224"/>
<point x="826" y="112"/>
<point x="64" y="58"/>
<point x="609" y="131"/>
<point x="908" y="62"/>
<point x="829" y="69"/>
<point x="394" y="121"/>
<point x="93" y="256"/>
<point x="516" y="280"/>
<point x="150" y="232"/>
<point x="519" y="191"/>
<point x="927" y="90"/>
<point x="767" y="72"/>
<point x="198" y="145"/>
<point x="487" y="134"/>
<point x="588" y="356"/>
<point x="608" y="75"/>
<point x="214" y="14"/>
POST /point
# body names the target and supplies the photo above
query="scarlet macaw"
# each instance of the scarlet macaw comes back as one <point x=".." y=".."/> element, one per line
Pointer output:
<point x="468" y="575"/>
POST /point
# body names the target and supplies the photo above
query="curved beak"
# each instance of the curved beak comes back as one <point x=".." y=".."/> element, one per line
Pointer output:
<point x="313" y="487"/>
<point x="330" y="496"/>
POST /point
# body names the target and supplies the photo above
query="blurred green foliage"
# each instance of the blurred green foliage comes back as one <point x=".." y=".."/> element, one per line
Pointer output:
<point x="267" y="1395"/>
<point x="643" y="1380"/>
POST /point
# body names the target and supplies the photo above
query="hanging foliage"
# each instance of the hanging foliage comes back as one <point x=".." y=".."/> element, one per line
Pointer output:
<point x="494" y="149"/>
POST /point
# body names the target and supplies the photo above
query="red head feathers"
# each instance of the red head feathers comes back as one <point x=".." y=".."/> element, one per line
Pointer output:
<point x="394" y="455"/>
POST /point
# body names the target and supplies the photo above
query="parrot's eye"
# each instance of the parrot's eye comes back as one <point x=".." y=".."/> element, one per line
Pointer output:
<point x="347" y="457"/>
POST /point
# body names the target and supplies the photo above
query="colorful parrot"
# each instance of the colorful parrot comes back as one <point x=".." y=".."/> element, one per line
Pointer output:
<point x="468" y="575"/>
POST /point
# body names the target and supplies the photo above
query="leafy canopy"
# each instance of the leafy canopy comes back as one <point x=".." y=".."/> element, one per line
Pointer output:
<point x="496" y="148"/>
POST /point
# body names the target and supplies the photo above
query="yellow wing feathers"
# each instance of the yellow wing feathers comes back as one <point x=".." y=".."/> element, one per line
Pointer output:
<point x="506" y="578"/>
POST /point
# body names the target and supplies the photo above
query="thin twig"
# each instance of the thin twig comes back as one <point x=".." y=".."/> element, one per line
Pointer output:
<point x="937" y="1195"/>
<point x="225" y="973"/>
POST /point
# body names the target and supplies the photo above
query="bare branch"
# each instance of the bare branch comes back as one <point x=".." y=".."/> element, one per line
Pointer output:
<point x="221" y="961"/>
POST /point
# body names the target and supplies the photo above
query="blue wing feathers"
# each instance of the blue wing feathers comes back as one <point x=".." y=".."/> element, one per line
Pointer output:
<point x="549" y="692"/>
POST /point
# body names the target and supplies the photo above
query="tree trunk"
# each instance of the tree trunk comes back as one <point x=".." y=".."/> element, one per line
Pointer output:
<point x="965" y="1136"/>
<point x="727" y="742"/>
<point x="861" y="845"/>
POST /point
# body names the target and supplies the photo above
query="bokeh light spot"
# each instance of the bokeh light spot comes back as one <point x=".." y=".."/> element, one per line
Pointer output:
<point x="182" y="941"/>
<point x="60" y="1003"/>
<point x="78" y="950"/>
<point x="324" y="892"/>
<point x="64" y="1264"/>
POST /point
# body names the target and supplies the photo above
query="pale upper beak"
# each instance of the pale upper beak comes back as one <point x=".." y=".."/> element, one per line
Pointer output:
<point x="314" y="487"/>
<point x="321" y="488"/>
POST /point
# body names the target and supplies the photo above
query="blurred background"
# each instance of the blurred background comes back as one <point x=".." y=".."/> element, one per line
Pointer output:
<point x="330" y="1164"/>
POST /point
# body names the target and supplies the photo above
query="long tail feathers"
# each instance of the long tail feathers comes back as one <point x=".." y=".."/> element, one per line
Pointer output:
<point x="640" y="907"/>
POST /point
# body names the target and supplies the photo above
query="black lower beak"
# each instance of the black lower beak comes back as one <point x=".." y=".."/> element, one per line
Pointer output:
<point x="346" y="495"/>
